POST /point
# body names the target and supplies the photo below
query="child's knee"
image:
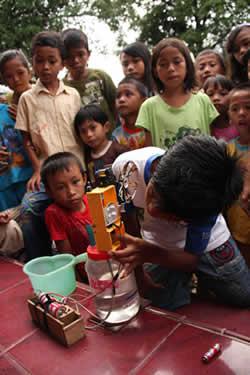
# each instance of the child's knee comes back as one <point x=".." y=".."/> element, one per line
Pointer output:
<point x="11" y="238"/>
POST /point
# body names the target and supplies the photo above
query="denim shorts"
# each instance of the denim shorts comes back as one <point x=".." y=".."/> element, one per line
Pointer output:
<point x="222" y="271"/>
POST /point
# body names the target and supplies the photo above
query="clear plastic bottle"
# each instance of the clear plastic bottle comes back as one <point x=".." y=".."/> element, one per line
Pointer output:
<point x="118" y="300"/>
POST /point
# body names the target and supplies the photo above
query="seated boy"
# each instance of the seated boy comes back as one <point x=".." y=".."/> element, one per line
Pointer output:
<point x="182" y="229"/>
<point x="66" y="219"/>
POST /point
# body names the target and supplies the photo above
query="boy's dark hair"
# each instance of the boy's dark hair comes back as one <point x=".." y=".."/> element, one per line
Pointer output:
<point x="236" y="70"/>
<point x="140" y="87"/>
<point x="218" y="80"/>
<point x="213" y="52"/>
<point x="10" y="55"/>
<point x="75" y="38"/>
<point x="51" y="39"/>
<point x="139" y="49"/>
<point x="245" y="86"/>
<point x="197" y="178"/>
<point x="189" y="81"/>
<point x="58" y="162"/>
<point x="89" y="112"/>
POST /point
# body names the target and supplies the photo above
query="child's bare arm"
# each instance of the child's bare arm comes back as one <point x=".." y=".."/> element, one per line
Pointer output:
<point x="138" y="251"/>
<point x="34" y="181"/>
<point x="63" y="246"/>
<point x="4" y="155"/>
<point x="131" y="223"/>
<point x="12" y="109"/>
<point x="148" y="140"/>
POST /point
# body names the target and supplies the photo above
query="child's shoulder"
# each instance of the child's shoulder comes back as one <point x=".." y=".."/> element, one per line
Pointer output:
<point x="69" y="89"/>
<point x="200" y="97"/>
<point x="95" y="74"/>
<point x="152" y="101"/>
<point x="119" y="148"/>
<point x="52" y="209"/>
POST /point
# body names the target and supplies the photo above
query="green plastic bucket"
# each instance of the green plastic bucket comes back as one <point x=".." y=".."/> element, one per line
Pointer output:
<point x="54" y="274"/>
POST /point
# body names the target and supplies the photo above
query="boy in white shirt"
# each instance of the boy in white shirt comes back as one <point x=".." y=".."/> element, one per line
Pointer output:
<point x="182" y="228"/>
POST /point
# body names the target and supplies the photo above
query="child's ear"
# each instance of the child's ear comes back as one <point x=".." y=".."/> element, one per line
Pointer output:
<point x="107" y="126"/>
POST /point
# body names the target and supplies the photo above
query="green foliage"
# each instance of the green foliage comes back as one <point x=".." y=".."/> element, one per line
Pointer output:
<point x="21" y="19"/>
<point x="201" y="23"/>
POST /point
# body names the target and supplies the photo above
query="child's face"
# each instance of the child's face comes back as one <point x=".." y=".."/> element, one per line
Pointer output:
<point x="128" y="99"/>
<point x="207" y="66"/>
<point x="219" y="97"/>
<point x="47" y="63"/>
<point x="16" y="75"/>
<point x="241" y="44"/>
<point x="239" y="112"/>
<point x="76" y="62"/>
<point x="94" y="134"/>
<point x="153" y="204"/>
<point x="133" y="66"/>
<point x="171" y="68"/>
<point x="67" y="187"/>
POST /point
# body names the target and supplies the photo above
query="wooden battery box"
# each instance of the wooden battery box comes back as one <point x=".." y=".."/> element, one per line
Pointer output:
<point x="68" y="329"/>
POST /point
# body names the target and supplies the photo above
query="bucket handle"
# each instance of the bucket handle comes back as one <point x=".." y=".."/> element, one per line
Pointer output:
<point x="80" y="258"/>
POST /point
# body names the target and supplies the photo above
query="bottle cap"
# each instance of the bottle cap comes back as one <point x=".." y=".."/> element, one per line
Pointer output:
<point x="95" y="254"/>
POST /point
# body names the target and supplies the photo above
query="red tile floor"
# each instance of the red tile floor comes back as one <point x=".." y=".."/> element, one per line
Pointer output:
<point x="155" y="342"/>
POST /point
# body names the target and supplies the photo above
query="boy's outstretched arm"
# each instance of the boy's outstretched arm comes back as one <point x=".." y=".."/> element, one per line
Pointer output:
<point x="137" y="251"/>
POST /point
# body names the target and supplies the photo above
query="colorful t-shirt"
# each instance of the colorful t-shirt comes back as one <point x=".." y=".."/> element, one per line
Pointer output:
<point x="237" y="219"/>
<point x="168" y="124"/>
<point x="19" y="168"/>
<point x="227" y="134"/>
<point x="103" y="160"/>
<point x="97" y="88"/>
<point x="49" y="119"/>
<point x="133" y="138"/>
<point x="67" y="225"/>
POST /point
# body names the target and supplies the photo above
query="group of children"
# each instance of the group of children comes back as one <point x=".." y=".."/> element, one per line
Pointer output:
<point x="61" y="132"/>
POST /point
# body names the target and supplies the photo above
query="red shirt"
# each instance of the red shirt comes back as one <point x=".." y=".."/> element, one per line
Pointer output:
<point x="67" y="225"/>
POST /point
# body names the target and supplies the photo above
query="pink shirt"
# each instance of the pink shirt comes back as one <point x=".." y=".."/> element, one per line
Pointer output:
<point x="225" y="133"/>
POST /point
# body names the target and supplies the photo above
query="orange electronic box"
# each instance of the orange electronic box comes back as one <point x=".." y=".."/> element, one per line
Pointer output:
<point x="105" y="215"/>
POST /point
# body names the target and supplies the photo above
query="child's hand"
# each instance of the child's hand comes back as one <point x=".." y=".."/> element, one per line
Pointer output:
<point x="34" y="182"/>
<point x="12" y="109"/>
<point x="132" y="253"/>
<point x="4" y="155"/>
<point x="3" y="100"/>
<point x="5" y="217"/>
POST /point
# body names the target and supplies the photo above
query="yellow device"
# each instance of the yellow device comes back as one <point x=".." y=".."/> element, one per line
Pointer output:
<point x="105" y="215"/>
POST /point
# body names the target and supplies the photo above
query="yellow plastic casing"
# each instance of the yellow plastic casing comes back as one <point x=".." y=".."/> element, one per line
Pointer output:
<point x="98" y="199"/>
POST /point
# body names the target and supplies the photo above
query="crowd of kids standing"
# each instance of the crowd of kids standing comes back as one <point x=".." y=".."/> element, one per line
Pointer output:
<point x="55" y="134"/>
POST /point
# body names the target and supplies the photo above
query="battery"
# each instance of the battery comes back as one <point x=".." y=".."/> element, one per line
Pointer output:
<point x="56" y="309"/>
<point x="211" y="352"/>
<point x="43" y="298"/>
